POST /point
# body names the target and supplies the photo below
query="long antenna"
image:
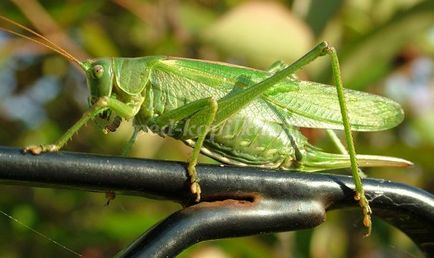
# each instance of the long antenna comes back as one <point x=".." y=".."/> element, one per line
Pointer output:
<point x="48" y="43"/>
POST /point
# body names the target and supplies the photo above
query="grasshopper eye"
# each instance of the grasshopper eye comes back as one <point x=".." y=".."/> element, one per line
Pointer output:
<point x="98" y="71"/>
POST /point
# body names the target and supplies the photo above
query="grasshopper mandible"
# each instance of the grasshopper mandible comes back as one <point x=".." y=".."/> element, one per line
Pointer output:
<point x="236" y="115"/>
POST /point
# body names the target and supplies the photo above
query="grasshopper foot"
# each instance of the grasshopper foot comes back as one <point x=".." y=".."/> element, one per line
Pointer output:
<point x="38" y="149"/>
<point x="194" y="183"/>
<point x="195" y="189"/>
<point x="363" y="202"/>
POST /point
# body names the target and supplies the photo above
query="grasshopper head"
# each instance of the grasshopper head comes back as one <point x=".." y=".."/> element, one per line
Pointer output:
<point x="99" y="75"/>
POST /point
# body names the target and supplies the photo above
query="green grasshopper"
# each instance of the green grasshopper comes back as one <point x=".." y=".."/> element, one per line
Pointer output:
<point x="236" y="115"/>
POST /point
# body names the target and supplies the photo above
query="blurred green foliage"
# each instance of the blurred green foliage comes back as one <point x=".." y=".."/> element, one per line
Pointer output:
<point x="386" y="47"/>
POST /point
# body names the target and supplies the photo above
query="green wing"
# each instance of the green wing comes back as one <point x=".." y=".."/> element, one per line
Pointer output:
<point x="301" y="103"/>
<point x="315" y="105"/>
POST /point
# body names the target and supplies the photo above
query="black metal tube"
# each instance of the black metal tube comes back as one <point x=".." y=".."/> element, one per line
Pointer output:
<point x="235" y="201"/>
